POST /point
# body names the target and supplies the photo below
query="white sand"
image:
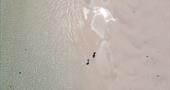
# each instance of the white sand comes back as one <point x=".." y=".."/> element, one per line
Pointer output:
<point x="135" y="53"/>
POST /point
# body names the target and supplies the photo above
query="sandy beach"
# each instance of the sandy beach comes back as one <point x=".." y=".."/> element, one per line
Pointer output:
<point x="84" y="45"/>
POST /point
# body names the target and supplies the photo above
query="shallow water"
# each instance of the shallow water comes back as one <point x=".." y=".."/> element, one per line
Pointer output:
<point x="46" y="45"/>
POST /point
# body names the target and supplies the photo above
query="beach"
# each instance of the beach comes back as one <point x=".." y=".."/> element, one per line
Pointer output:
<point x="84" y="45"/>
